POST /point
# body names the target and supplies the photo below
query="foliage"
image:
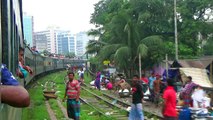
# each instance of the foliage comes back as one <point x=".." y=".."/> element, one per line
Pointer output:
<point x="54" y="106"/>
<point x="37" y="106"/>
<point x="70" y="55"/>
<point x="207" y="49"/>
<point x="37" y="109"/>
<point x="127" y="28"/>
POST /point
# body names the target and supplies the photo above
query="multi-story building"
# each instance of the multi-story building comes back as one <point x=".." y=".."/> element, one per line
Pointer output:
<point x="28" y="29"/>
<point x="65" y="42"/>
<point x="81" y="43"/>
<point x="50" y="39"/>
<point x="41" y="41"/>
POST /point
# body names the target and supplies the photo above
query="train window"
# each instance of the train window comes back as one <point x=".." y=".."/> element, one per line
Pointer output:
<point x="12" y="39"/>
<point x="16" y="47"/>
<point x="4" y="23"/>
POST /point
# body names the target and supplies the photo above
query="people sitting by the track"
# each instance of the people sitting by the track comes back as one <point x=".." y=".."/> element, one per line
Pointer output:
<point x="104" y="81"/>
<point x="186" y="92"/>
<point x="124" y="88"/>
<point x="12" y="93"/>
<point x="109" y="86"/>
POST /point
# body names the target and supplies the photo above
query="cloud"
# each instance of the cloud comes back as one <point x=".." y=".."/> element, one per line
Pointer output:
<point x="67" y="14"/>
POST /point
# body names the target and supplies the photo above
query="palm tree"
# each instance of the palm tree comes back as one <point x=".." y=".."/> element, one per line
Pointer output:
<point x="124" y="38"/>
<point x="125" y="44"/>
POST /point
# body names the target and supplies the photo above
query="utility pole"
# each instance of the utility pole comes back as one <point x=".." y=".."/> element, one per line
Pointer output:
<point x="175" y="23"/>
<point x="139" y="65"/>
<point x="167" y="71"/>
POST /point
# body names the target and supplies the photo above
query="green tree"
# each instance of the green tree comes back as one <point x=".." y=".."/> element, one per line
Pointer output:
<point x="127" y="28"/>
<point x="207" y="49"/>
<point x="193" y="20"/>
<point x="70" y="55"/>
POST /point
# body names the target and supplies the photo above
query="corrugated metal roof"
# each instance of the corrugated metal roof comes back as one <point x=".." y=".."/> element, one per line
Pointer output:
<point x="197" y="63"/>
<point x="191" y="63"/>
<point x="199" y="76"/>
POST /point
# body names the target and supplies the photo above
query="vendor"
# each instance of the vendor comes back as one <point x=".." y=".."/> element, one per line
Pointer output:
<point x="186" y="92"/>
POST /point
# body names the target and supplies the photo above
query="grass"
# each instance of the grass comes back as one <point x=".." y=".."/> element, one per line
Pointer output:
<point x="37" y="109"/>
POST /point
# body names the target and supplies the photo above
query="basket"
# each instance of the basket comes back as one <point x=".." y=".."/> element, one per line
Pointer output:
<point x="50" y="96"/>
<point x="49" y="92"/>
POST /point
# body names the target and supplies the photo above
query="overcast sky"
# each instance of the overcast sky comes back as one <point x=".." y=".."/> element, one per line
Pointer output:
<point x="71" y="15"/>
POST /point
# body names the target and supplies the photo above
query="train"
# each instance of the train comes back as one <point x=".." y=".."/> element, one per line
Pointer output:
<point x="11" y="39"/>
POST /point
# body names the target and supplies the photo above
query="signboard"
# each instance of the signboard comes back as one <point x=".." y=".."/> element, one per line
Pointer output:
<point x="106" y="62"/>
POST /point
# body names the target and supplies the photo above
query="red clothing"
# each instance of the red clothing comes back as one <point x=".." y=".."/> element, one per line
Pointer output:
<point x="169" y="97"/>
<point x="109" y="86"/>
<point x="72" y="89"/>
<point x="145" y="80"/>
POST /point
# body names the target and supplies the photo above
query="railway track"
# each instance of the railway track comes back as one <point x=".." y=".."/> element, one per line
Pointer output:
<point x="124" y="104"/>
<point x="105" y="106"/>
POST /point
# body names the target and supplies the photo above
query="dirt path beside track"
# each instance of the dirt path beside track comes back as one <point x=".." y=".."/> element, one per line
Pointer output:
<point x="63" y="109"/>
<point x="50" y="111"/>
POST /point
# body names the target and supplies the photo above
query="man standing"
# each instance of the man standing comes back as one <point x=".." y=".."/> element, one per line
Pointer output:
<point x="169" y="104"/>
<point x="157" y="85"/>
<point x="136" y="112"/>
<point x="98" y="80"/>
<point x="73" y="93"/>
<point x="152" y="78"/>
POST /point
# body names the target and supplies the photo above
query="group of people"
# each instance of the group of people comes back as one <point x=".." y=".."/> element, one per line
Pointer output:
<point x="155" y="85"/>
<point x="12" y="93"/>
<point x="102" y="81"/>
<point x="193" y="95"/>
<point x="169" y="100"/>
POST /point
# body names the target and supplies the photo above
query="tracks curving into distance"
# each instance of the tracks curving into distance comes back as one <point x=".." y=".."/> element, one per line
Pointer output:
<point x="123" y="104"/>
<point x="105" y="106"/>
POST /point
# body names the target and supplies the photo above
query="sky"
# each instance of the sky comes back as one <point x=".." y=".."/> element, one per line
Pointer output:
<point x="71" y="15"/>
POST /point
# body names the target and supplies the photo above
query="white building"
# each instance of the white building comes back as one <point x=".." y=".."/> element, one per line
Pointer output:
<point x="50" y="39"/>
<point x="81" y="43"/>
